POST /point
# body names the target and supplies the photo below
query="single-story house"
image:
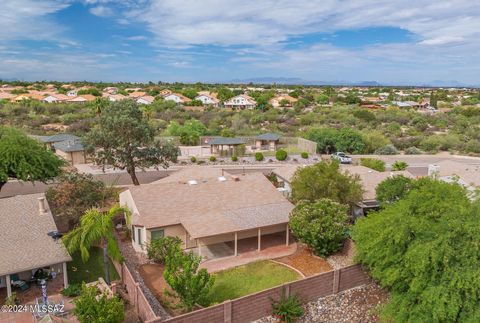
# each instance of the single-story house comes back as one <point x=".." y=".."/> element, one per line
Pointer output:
<point x="281" y="101"/>
<point x="206" y="211"/>
<point x="225" y="145"/>
<point x="84" y="98"/>
<point x="146" y="99"/>
<point x="72" y="151"/>
<point x="467" y="175"/>
<point x="67" y="146"/>
<point x="6" y="96"/>
<point x="369" y="178"/>
<point x="240" y="102"/>
<point x="267" y="141"/>
<point x="29" y="242"/>
<point x="208" y="99"/>
<point x="72" y="93"/>
<point x="137" y="94"/>
<point x="177" y="98"/>
<point x="116" y="97"/>
<point x="53" y="98"/>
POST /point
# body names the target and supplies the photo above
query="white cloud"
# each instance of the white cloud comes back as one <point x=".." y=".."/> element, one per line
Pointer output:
<point x="135" y="38"/>
<point x="26" y="19"/>
<point x="101" y="11"/>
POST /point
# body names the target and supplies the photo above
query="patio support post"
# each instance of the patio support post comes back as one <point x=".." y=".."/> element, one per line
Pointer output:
<point x="236" y="238"/>
<point x="199" y="247"/>
<point x="9" y="285"/>
<point x="65" y="275"/>
<point x="259" y="238"/>
<point x="288" y="236"/>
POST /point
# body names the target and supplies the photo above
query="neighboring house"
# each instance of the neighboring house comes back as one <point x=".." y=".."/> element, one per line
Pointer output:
<point x="281" y="101"/>
<point x="240" y="102"/>
<point x="449" y="170"/>
<point x="267" y="141"/>
<point x="27" y="96"/>
<point x="224" y="146"/>
<point x="28" y="242"/>
<point x="406" y="104"/>
<point x="67" y="146"/>
<point x="146" y="99"/>
<point x="72" y="93"/>
<point x="54" y="98"/>
<point x="84" y="98"/>
<point x="6" y="96"/>
<point x="217" y="211"/>
<point x="177" y="98"/>
<point x="137" y="94"/>
<point x="369" y="178"/>
<point x="165" y="92"/>
<point x="110" y="90"/>
<point x="72" y="151"/>
<point x="116" y="97"/>
<point x="208" y="99"/>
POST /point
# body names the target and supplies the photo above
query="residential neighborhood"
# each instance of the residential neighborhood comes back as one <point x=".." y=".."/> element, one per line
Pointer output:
<point x="229" y="161"/>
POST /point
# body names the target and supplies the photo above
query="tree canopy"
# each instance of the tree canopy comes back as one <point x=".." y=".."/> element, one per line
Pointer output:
<point x="393" y="189"/>
<point x="25" y="158"/>
<point x="424" y="249"/>
<point x="322" y="225"/>
<point x="325" y="180"/>
<point x="124" y="139"/>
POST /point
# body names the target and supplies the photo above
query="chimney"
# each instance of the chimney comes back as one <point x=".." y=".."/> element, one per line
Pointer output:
<point x="235" y="178"/>
<point x="433" y="170"/>
<point x="41" y="205"/>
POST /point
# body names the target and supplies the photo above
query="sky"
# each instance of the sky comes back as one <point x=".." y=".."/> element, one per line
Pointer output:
<point x="388" y="41"/>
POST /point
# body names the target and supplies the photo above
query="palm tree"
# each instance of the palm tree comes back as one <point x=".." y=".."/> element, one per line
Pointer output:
<point x="98" y="105"/>
<point x="96" y="226"/>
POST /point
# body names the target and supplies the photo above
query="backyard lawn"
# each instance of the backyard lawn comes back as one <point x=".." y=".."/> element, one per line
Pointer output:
<point x="248" y="279"/>
<point x="79" y="271"/>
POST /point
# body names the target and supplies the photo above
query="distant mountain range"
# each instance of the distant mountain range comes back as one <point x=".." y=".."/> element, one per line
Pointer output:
<point x="299" y="81"/>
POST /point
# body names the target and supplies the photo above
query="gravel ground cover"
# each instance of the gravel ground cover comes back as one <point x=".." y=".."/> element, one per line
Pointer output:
<point x="360" y="304"/>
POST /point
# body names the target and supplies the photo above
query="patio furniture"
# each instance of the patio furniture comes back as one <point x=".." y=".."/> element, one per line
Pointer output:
<point x="18" y="283"/>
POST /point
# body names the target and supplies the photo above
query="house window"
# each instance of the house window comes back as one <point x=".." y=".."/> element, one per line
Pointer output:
<point x="139" y="235"/>
<point x="155" y="234"/>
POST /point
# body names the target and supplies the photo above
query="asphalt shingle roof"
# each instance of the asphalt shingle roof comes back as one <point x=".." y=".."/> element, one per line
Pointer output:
<point x="58" y="137"/>
<point x="226" y="141"/>
<point x="268" y="137"/>
<point x="24" y="242"/>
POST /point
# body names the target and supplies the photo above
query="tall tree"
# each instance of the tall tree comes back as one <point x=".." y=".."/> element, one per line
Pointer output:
<point x="424" y="248"/>
<point x="124" y="139"/>
<point x="98" y="105"/>
<point x="325" y="180"/>
<point x="25" y="159"/>
<point x="96" y="227"/>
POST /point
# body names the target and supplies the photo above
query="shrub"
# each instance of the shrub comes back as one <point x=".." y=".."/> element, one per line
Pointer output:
<point x="281" y="155"/>
<point x="193" y="159"/>
<point x="259" y="156"/>
<point x="322" y="225"/>
<point x="213" y="158"/>
<point x="399" y="165"/>
<point x="413" y="151"/>
<point x="91" y="307"/>
<point x="287" y="309"/>
<point x="387" y="150"/>
<point x="159" y="248"/>
<point x="234" y="158"/>
<point x="373" y="163"/>
<point x="72" y="290"/>
<point x="304" y="155"/>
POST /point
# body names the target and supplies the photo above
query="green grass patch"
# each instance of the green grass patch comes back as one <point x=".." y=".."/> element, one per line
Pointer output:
<point x="248" y="279"/>
<point x="79" y="271"/>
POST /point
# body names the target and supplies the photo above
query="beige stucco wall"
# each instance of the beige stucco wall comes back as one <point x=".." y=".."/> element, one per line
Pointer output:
<point x="74" y="158"/>
<point x="170" y="231"/>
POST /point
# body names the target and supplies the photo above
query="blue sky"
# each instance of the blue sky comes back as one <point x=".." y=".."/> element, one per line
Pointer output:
<point x="403" y="42"/>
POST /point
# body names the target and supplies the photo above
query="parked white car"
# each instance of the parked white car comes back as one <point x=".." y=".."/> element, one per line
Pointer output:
<point x="342" y="158"/>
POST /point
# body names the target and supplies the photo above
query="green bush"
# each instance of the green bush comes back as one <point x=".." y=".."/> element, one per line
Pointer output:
<point x="304" y="155"/>
<point x="399" y="165"/>
<point x="72" y="290"/>
<point x="322" y="225"/>
<point x="234" y="158"/>
<point x="287" y="309"/>
<point x="159" y="248"/>
<point x="412" y="151"/>
<point x="373" y="163"/>
<point x="193" y="159"/>
<point x="387" y="150"/>
<point x="259" y="156"/>
<point x="281" y="155"/>
<point x="91" y="307"/>
<point x="213" y="158"/>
